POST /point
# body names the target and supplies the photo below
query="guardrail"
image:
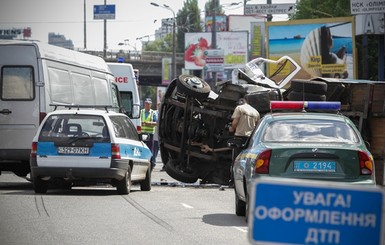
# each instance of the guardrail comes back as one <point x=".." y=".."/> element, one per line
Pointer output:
<point x="151" y="56"/>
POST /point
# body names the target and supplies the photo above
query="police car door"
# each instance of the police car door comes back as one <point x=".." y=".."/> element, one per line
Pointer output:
<point x="131" y="148"/>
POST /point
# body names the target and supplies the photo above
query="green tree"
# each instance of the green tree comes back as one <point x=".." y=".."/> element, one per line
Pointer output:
<point x="312" y="9"/>
<point x="188" y="20"/>
<point x="160" y="45"/>
<point x="209" y="8"/>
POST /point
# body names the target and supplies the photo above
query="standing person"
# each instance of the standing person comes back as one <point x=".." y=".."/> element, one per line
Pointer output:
<point x="156" y="136"/>
<point x="149" y="119"/>
<point x="245" y="118"/>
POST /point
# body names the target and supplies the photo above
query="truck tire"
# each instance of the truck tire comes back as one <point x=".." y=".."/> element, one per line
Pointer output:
<point x="172" y="169"/>
<point x="193" y="86"/>
<point x="313" y="87"/>
<point x="300" y="96"/>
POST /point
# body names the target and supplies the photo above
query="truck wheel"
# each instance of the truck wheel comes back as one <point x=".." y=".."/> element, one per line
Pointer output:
<point x="173" y="169"/>
<point x="193" y="86"/>
<point x="314" y="87"/>
<point x="145" y="185"/>
<point x="40" y="186"/>
<point x="123" y="186"/>
<point x="301" y="96"/>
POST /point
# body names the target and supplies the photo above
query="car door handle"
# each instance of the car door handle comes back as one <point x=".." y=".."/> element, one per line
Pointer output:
<point x="5" y="111"/>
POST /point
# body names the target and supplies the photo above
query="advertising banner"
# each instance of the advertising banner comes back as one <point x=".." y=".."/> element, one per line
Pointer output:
<point x="323" y="47"/>
<point x="233" y="44"/>
<point x="166" y="70"/>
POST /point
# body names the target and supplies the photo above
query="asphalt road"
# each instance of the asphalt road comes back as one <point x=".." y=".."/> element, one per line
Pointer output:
<point x="171" y="213"/>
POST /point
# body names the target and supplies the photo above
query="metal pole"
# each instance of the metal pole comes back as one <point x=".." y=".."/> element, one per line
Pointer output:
<point x="173" y="46"/>
<point x="105" y="35"/>
<point x="214" y="40"/>
<point x="85" y="26"/>
<point x="269" y="16"/>
<point x="173" y="59"/>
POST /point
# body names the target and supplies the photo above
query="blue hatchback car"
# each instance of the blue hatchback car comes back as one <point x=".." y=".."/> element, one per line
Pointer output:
<point x="89" y="146"/>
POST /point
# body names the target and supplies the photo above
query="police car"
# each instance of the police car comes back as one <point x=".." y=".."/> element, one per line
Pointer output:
<point x="79" y="146"/>
<point x="305" y="143"/>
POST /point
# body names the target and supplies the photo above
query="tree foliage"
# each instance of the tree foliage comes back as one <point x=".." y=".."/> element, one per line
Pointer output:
<point x="188" y="20"/>
<point x="312" y="9"/>
<point x="209" y="8"/>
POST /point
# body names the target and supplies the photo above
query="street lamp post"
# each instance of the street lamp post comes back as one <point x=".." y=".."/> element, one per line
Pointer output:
<point x="173" y="61"/>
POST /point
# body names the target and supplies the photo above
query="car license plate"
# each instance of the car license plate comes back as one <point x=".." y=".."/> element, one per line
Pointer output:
<point x="314" y="166"/>
<point x="73" y="150"/>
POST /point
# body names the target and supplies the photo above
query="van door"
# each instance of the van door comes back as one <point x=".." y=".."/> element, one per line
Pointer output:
<point x="19" y="101"/>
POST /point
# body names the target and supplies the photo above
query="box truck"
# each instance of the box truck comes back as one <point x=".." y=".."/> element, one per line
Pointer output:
<point x="35" y="75"/>
<point x="127" y="83"/>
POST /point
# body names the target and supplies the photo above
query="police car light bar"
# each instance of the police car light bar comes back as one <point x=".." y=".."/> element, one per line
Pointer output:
<point x="302" y="105"/>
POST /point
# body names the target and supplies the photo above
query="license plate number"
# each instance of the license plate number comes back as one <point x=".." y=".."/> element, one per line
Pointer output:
<point x="314" y="166"/>
<point x="73" y="150"/>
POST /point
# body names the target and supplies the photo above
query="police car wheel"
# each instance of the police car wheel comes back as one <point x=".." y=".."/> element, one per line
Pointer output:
<point x="145" y="185"/>
<point x="240" y="206"/>
<point x="39" y="185"/>
<point x="123" y="186"/>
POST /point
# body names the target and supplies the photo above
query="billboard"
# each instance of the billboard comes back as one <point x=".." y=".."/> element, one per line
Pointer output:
<point x="233" y="44"/>
<point x="221" y="23"/>
<point x="323" y="47"/>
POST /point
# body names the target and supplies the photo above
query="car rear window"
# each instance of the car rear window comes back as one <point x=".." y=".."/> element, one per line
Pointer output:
<point x="310" y="131"/>
<point x="74" y="125"/>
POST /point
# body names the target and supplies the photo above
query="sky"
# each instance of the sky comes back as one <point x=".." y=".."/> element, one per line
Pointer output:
<point x="133" y="19"/>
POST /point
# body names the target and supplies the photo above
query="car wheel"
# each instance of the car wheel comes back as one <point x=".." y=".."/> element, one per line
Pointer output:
<point x="123" y="186"/>
<point x="247" y="207"/>
<point x="193" y="86"/>
<point x="145" y="185"/>
<point x="39" y="185"/>
<point x="240" y="206"/>
<point x="173" y="169"/>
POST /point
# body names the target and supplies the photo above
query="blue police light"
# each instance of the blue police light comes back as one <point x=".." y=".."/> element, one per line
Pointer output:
<point x="323" y="105"/>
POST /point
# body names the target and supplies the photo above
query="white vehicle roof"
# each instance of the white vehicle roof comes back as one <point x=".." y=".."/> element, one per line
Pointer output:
<point x="47" y="51"/>
<point x="99" y="112"/>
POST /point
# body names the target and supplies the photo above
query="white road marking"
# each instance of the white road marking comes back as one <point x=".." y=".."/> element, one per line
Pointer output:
<point x="240" y="229"/>
<point x="186" y="206"/>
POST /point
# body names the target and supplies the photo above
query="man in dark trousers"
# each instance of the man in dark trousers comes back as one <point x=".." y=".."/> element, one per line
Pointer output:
<point x="244" y="120"/>
<point x="149" y="122"/>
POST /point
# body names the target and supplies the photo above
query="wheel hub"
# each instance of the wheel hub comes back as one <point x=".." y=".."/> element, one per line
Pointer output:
<point x="194" y="82"/>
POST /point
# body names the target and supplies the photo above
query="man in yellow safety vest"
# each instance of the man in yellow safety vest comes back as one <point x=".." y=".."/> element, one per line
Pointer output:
<point x="149" y="122"/>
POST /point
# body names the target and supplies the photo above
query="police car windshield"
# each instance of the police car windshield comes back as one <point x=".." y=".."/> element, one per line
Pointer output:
<point x="322" y="131"/>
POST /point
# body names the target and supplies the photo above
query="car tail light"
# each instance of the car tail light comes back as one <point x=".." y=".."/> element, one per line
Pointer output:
<point x="262" y="162"/>
<point x="115" y="151"/>
<point x="139" y="129"/>
<point x="34" y="150"/>
<point x="366" y="163"/>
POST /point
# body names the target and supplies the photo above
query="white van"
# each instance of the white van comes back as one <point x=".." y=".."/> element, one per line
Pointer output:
<point x="33" y="76"/>
<point x="126" y="80"/>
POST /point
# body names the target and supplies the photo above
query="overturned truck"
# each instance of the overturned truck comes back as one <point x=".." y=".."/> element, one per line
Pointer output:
<point x="194" y="119"/>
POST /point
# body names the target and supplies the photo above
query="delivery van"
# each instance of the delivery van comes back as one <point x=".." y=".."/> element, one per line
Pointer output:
<point x="33" y="77"/>
<point x="126" y="80"/>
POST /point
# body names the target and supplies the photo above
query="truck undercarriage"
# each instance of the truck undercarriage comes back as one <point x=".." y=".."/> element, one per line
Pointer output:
<point x="194" y="120"/>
